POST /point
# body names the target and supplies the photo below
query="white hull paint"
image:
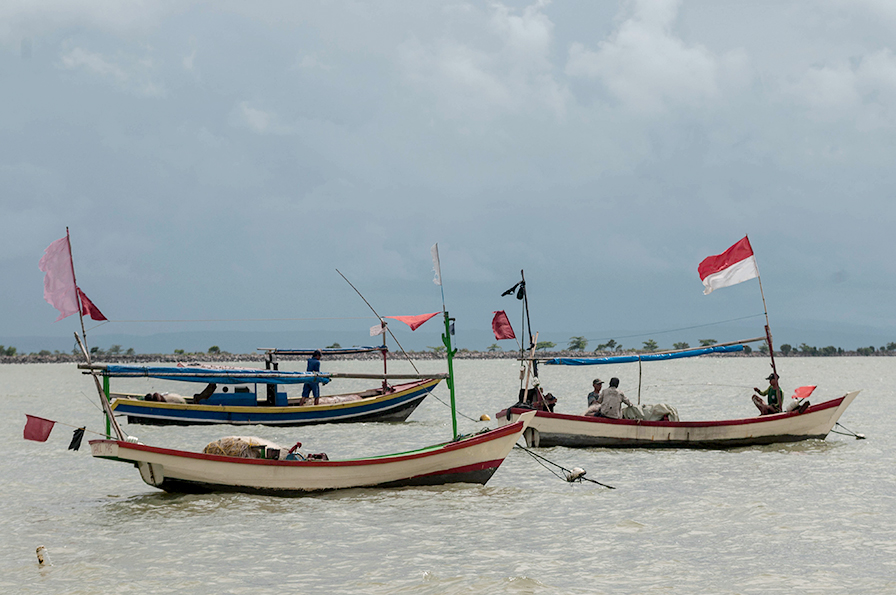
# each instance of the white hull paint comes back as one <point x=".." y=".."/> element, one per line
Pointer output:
<point x="471" y="460"/>
<point x="557" y="429"/>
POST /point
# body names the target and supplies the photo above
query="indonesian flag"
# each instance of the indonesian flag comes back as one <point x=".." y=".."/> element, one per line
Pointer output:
<point x="501" y="326"/>
<point x="38" y="428"/>
<point x="414" y="321"/>
<point x="60" y="290"/>
<point x="735" y="265"/>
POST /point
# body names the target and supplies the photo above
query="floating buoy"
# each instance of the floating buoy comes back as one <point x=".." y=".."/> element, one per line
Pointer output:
<point x="484" y="417"/>
<point x="575" y="473"/>
<point x="43" y="558"/>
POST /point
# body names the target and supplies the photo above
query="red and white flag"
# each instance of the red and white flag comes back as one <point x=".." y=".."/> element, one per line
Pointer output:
<point x="414" y="321"/>
<point x="38" y="428"/>
<point x="735" y="265"/>
<point x="501" y="326"/>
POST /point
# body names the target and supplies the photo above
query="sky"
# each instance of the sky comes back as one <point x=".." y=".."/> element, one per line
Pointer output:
<point x="216" y="163"/>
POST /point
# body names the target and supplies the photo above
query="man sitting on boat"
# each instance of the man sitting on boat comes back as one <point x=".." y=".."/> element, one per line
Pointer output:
<point x="594" y="395"/>
<point x="609" y="403"/>
<point x="775" y="397"/>
<point x="314" y="387"/>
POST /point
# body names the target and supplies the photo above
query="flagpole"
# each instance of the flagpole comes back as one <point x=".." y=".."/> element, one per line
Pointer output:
<point x="768" y="332"/>
<point x="111" y="423"/>
<point x="71" y="261"/>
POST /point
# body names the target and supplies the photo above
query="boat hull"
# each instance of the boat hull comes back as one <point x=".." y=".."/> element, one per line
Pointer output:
<point x="396" y="406"/>
<point x="471" y="460"/>
<point x="557" y="429"/>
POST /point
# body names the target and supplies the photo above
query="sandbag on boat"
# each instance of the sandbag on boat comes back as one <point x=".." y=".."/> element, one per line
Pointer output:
<point x="246" y="447"/>
<point x="658" y="412"/>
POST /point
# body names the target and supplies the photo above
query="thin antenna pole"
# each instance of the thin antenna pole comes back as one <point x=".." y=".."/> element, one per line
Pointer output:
<point x="446" y="340"/>
<point x="382" y="322"/>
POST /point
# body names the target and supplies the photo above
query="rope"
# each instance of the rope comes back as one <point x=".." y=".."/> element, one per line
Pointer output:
<point x="851" y="433"/>
<point x="684" y="328"/>
<point x="538" y="458"/>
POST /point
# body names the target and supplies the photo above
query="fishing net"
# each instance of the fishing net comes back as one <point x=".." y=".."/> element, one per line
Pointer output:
<point x="247" y="447"/>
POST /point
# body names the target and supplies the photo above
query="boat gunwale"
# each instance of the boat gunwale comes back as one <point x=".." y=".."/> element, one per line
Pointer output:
<point x="271" y="409"/>
<point x="427" y="451"/>
<point x="678" y="424"/>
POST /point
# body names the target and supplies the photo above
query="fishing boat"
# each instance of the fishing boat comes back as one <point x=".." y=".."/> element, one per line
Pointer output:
<point x="557" y="429"/>
<point x="265" y="468"/>
<point x="469" y="459"/>
<point x="259" y="397"/>
<point x="800" y="420"/>
<point x="550" y="428"/>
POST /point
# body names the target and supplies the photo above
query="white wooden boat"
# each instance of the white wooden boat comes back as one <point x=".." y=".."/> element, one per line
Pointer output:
<point x="465" y="459"/>
<point x="558" y="429"/>
<point x="471" y="459"/>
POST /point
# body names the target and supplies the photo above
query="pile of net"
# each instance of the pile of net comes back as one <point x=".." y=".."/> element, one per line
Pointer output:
<point x="247" y="447"/>
<point x="659" y="412"/>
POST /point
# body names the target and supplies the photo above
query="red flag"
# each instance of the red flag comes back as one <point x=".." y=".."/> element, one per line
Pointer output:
<point x="414" y="321"/>
<point x="735" y="265"/>
<point x="501" y="326"/>
<point x="803" y="392"/>
<point x="87" y="307"/>
<point x="38" y="428"/>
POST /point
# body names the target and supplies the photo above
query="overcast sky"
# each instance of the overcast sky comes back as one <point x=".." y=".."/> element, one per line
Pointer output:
<point x="221" y="160"/>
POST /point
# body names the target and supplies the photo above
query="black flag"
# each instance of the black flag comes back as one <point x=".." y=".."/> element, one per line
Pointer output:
<point x="76" y="439"/>
<point x="519" y="294"/>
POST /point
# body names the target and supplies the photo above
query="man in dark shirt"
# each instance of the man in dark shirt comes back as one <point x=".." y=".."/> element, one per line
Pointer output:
<point x="307" y="389"/>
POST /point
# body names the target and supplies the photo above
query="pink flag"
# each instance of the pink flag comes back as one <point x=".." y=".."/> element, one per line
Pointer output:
<point x="87" y="307"/>
<point x="501" y="326"/>
<point x="38" y="428"/>
<point x="414" y="321"/>
<point x="59" y="281"/>
<point x="803" y="392"/>
<point x="735" y="265"/>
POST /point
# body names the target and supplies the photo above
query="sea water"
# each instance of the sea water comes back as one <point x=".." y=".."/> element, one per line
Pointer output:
<point x="810" y="517"/>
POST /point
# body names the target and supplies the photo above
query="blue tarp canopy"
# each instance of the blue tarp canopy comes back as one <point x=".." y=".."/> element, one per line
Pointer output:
<point x="646" y="357"/>
<point x="214" y="375"/>
<point x="328" y="350"/>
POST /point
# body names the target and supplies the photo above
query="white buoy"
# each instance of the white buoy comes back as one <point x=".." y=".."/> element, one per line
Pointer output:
<point x="43" y="558"/>
<point x="575" y="473"/>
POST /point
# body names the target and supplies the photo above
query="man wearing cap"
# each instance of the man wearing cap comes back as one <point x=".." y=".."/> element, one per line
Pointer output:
<point x="307" y="389"/>
<point x="775" y="397"/>
<point x="595" y="394"/>
<point x="610" y="402"/>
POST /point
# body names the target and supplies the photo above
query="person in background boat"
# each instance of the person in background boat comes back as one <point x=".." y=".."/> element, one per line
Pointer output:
<point x="206" y="392"/>
<point x="775" y="397"/>
<point x="166" y="398"/>
<point x="609" y="403"/>
<point x="307" y="389"/>
<point x="594" y="395"/>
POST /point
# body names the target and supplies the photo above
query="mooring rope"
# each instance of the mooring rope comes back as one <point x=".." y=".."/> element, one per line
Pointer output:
<point x="571" y="475"/>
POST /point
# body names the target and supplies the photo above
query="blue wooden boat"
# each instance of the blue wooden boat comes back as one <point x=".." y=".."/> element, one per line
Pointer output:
<point x="256" y="396"/>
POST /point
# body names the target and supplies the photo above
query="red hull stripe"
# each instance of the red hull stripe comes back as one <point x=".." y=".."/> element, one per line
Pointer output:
<point x="678" y="424"/>
<point x="448" y="447"/>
